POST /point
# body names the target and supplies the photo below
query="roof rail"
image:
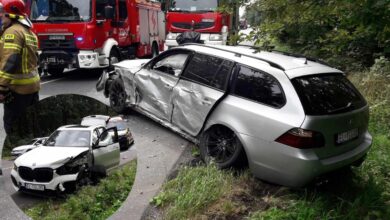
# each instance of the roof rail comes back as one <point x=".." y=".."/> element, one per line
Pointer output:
<point x="302" y="56"/>
<point x="275" y="65"/>
<point x="289" y="54"/>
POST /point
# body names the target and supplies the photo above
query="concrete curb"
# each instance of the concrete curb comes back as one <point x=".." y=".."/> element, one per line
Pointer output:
<point x="152" y="171"/>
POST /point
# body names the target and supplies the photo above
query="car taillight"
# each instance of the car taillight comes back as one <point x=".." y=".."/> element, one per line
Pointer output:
<point x="301" y="138"/>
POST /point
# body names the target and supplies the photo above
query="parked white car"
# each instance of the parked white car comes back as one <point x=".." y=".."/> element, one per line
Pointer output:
<point x="125" y="137"/>
<point x="36" y="142"/>
<point x="72" y="156"/>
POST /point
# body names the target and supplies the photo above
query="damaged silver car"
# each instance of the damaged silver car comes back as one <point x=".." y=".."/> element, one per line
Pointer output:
<point x="291" y="118"/>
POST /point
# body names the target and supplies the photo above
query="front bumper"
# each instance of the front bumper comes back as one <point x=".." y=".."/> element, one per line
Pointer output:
<point x="61" y="58"/>
<point x="293" y="167"/>
<point x="53" y="185"/>
<point x="169" y="43"/>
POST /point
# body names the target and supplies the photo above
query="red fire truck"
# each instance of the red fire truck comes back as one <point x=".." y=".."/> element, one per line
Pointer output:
<point x="203" y="17"/>
<point x="93" y="34"/>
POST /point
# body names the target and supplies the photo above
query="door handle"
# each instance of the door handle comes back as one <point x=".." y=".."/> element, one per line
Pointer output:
<point x="168" y="86"/>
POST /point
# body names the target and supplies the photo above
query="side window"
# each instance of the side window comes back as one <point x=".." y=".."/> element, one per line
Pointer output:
<point x="100" y="5"/>
<point x="172" y="64"/>
<point x="259" y="86"/>
<point x="122" y="10"/>
<point x="208" y="70"/>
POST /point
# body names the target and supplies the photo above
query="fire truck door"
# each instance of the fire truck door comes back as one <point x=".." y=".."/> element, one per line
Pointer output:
<point x="104" y="29"/>
<point x="122" y="24"/>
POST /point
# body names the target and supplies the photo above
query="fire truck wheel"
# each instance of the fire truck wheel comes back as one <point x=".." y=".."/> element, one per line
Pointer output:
<point x="114" y="58"/>
<point x="118" y="96"/>
<point x="56" y="71"/>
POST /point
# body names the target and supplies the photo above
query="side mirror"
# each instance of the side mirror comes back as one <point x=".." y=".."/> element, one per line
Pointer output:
<point x="109" y="12"/>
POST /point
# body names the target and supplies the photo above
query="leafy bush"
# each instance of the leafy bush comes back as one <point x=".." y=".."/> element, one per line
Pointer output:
<point x="348" y="34"/>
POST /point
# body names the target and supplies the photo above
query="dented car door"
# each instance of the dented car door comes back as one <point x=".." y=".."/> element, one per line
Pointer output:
<point x="107" y="152"/>
<point x="155" y="82"/>
<point x="201" y="85"/>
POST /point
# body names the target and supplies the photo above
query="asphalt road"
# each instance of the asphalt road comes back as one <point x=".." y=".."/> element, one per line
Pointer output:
<point x="155" y="145"/>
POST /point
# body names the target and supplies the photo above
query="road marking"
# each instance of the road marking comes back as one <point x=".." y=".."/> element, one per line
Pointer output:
<point x="52" y="81"/>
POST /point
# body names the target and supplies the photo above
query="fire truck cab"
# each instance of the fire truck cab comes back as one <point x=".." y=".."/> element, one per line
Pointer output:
<point x="200" y="16"/>
<point x="94" y="34"/>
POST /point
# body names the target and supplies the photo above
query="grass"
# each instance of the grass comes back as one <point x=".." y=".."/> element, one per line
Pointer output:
<point x="359" y="193"/>
<point x="193" y="190"/>
<point x="90" y="202"/>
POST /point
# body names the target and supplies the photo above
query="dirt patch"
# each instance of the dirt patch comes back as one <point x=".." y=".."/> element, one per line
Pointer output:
<point x="247" y="195"/>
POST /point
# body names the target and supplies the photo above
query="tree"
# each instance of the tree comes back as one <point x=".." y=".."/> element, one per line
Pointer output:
<point x="357" y="31"/>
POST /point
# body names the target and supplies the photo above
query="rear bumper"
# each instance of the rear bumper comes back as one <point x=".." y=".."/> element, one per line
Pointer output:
<point x="292" y="167"/>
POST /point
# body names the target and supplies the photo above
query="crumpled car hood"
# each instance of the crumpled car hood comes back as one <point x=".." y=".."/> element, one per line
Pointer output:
<point x="52" y="157"/>
<point x="132" y="65"/>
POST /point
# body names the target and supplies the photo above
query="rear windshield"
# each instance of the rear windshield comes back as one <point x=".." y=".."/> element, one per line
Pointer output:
<point x="327" y="94"/>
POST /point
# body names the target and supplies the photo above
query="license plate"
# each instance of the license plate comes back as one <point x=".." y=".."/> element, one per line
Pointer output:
<point x="56" y="37"/>
<point x="51" y="59"/>
<point x="35" y="187"/>
<point x="347" y="136"/>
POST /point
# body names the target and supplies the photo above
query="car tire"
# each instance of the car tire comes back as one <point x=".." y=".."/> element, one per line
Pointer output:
<point x="113" y="58"/>
<point x="124" y="146"/>
<point x="97" y="173"/>
<point x="221" y="146"/>
<point x="117" y="95"/>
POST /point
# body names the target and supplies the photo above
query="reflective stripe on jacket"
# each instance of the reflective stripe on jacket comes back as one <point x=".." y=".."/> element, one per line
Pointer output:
<point x="18" y="60"/>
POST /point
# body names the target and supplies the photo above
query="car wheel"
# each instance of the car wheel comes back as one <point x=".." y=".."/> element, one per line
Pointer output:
<point x="118" y="96"/>
<point x="97" y="173"/>
<point x="221" y="145"/>
<point x="114" y="58"/>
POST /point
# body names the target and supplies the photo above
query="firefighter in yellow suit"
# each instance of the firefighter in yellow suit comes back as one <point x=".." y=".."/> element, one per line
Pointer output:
<point x="19" y="78"/>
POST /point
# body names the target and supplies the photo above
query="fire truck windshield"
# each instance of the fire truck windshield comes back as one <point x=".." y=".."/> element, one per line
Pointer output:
<point x="60" y="10"/>
<point x="194" y="5"/>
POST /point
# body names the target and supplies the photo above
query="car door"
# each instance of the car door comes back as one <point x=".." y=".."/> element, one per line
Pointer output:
<point x="106" y="155"/>
<point x="155" y="82"/>
<point x="201" y="85"/>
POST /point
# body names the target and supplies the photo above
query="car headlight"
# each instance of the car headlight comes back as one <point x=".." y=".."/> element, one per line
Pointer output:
<point x="171" y="36"/>
<point x="88" y="58"/>
<point x="215" y="37"/>
<point x="15" y="168"/>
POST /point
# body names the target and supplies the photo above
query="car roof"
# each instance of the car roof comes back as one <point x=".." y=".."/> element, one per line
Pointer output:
<point x="293" y="66"/>
<point x="79" y="127"/>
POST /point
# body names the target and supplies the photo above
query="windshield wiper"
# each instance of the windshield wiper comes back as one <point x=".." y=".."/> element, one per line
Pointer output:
<point x="349" y="104"/>
<point x="204" y="11"/>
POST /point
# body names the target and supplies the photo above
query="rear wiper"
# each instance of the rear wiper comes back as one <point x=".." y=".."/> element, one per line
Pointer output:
<point x="349" y="104"/>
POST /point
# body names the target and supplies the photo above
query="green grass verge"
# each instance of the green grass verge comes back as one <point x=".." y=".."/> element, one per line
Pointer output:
<point x="361" y="193"/>
<point x="90" y="202"/>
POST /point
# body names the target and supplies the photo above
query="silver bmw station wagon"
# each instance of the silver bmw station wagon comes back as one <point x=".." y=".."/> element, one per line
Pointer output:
<point x="291" y="118"/>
